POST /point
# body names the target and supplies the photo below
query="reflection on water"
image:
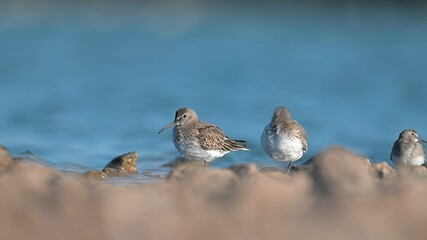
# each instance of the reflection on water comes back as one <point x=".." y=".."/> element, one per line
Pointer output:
<point x="78" y="91"/>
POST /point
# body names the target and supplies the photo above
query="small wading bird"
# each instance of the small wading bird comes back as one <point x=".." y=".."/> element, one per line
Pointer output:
<point x="197" y="140"/>
<point x="283" y="138"/>
<point x="408" y="149"/>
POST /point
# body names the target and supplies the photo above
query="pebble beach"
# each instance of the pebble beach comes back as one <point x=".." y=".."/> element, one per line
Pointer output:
<point x="340" y="195"/>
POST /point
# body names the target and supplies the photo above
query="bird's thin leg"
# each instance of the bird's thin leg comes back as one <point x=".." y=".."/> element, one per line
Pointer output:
<point x="204" y="165"/>
<point x="288" y="169"/>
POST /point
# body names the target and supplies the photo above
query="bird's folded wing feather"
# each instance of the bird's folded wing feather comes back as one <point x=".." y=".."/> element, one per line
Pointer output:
<point x="301" y="134"/>
<point x="212" y="137"/>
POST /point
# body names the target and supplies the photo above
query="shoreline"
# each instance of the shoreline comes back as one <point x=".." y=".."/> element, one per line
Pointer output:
<point x="340" y="197"/>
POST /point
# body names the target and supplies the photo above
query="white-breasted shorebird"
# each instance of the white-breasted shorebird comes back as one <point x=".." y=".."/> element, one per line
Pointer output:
<point x="284" y="139"/>
<point x="197" y="140"/>
<point x="408" y="149"/>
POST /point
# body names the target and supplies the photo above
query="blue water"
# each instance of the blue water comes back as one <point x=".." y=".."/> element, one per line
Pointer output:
<point x="78" y="91"/>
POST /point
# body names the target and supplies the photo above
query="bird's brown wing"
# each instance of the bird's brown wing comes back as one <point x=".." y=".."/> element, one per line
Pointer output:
<point x="302" y="135"/>
<point x="212" y="137"/>
<point x="395" y="149"/>
<point x="297" y="130"/>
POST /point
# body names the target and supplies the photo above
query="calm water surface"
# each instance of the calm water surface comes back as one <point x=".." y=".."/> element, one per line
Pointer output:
<point x="78" y="92"/>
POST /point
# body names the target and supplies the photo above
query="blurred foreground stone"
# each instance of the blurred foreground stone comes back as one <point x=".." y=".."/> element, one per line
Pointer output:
<point x="383" y="171"/>
<point x="337" y="171"/>
<point x="6" y="160"/>
<point x="339" y="197"/>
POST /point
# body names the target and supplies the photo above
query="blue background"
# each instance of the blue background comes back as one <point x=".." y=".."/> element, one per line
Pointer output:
<point x="82" y="83"/>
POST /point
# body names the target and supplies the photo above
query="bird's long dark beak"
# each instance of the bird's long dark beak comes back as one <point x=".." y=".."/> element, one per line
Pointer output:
<point x="424" y="141"/>
<point x="172" y="124"/>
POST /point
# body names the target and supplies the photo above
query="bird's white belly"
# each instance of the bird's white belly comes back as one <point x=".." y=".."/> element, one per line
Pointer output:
<point x="282" y="147"/>
<point x="412" y="161"/>
<point x="192" y="150"/>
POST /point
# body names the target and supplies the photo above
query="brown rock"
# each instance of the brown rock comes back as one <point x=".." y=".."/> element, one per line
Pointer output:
<point x="122" y="165"/>
<point x="274" y="173"/>
<point x="363" y="160"/>
<point x="420" y="171"/>
<point x="39" y="202"/>
<point x="338" y="171"/>
<point x="383" y="171"/>
<point x="271" y="169"/>
<point x="6" y="160"/>
<point x="184" y="170"/>
<point x="216" y="185"/>
<point x="245" y="170"/>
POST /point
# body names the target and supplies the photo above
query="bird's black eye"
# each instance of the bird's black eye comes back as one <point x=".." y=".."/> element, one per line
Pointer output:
<point x="413" y="134"/>
<point x="184" y="116"/>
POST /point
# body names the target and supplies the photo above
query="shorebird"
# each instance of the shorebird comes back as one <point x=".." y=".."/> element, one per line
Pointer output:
<point x="284" y="139"/>
<point x="408" y="149"/>
<point x="197" y="140"/>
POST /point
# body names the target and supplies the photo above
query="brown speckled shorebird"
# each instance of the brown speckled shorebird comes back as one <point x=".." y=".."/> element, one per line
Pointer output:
<point x="284" y="139"/>
<point x="408" y="149"/>
<point x="197" y="140"/>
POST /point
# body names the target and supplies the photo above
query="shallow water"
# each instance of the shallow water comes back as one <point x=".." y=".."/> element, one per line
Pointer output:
<point x="77" y="91"/>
